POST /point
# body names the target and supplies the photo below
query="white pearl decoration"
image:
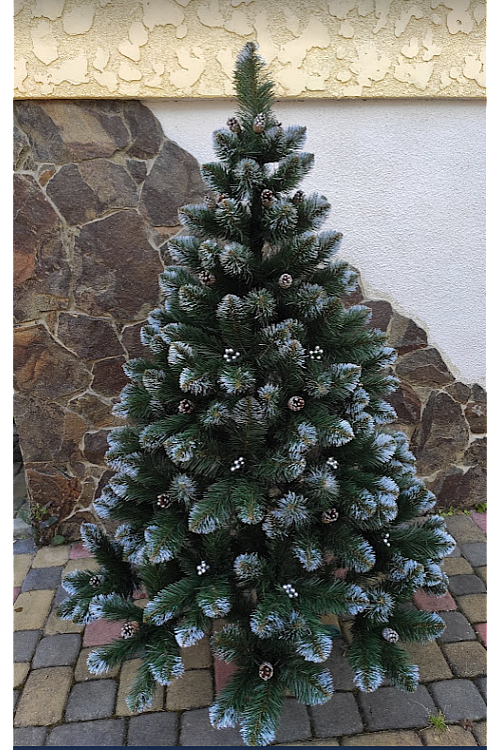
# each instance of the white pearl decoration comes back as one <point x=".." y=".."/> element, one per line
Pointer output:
<point x="316" y="353"/>
<point x="290" y="591"/>
<point x="202" y="567"/>
<point x="230" y="355"/>
<point x="238" y="463"/>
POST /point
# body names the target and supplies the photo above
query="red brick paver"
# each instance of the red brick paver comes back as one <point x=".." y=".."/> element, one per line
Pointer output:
<point x="481" y="629"/>
<point x="431" y="603"/>
<point x="480" y="519"/>
<point x="223" y="672"/>
<point x="100" y="632"/>
<point x="78" y="551"/>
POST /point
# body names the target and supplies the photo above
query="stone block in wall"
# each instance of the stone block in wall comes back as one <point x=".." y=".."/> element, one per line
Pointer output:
<point x="442" y="436"/>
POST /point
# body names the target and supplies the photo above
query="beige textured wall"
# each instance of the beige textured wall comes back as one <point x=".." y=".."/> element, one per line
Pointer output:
<point x="186" y="48"/>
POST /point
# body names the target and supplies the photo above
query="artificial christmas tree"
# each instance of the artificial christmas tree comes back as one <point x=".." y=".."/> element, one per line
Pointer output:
<point x="257" y="460"/>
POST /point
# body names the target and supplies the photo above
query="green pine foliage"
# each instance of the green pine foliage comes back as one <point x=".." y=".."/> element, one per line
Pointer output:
<point x="258" y="456"/>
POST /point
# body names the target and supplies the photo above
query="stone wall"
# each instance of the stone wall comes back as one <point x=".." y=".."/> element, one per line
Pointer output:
<point x="97" y="186"/>
<point x="96" y="192"/>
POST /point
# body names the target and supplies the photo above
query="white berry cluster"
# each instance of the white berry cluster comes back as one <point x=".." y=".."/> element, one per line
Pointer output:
<point x="290" y="591"/>
<point x="316" y="353"/>
<point x="238" y="463"/>
<point x="202" y="567"/>
<point x="385" y="539"/>
<point x="230" y="355"/>
<point x="332" y="463"/>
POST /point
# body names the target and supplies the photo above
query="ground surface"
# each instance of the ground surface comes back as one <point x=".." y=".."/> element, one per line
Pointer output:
<point x="57" y="702"/>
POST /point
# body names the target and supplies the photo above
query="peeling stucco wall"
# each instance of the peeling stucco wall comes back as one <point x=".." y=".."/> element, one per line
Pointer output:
<point x="186" y="48"/>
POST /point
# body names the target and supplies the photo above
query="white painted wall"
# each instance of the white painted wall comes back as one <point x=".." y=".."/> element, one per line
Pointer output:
<point x="406" y="180"/>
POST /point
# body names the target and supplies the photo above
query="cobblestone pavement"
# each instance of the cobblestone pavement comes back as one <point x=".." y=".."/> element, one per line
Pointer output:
<point x="57" y="702"/>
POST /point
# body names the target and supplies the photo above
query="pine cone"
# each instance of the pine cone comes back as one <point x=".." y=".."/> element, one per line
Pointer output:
<point x="129" y="629"/>
<point x="164" y="500"/>
<point x="390" y="635"/>
<point x="285" y="281"/>
<point x="266" y="671"/>
<point x="298" y="197"/>
<point x="207" y="278"/>
<point x="95" y="581"/>
<point x="296" y="403"/>
<point x="330" y="515"/>
<point x="259" y="123"/>
<point x="234" y="125"/>
<point x="267" y="197"/>
<point x="186" y="406"/>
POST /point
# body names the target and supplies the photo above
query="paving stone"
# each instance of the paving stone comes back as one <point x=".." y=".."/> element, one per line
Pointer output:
<point x="339" y="716"/>
<point x="49" y="557"/>
<point x="44" y="696"/>
<point x="294" y="723"/>
<point x="100" y="632"/>
<point x="223" y="671"/>
<point x="61" y="595"/>
<point x="30" y="736"/>
<point x="429" y="659"/>
<point x="25" y="643"/>
<point x="55" y="626"/>
<point x="193" y="690"/>
<point x="466" y="584"/>
<point x="480" y="733"/>
<point x="451" y="737"/>
<point x="21" y="670"/>
<point x="24" y="546"/>
<point x="196" y="731"/>
<point x="78" y="551"/>
<point x="91" y="700"/>
<point x="463" y="529"/>
<point x="390" y="708"/>
<point x="384" y="739"/>
<point x="467" y="659"/>
<point x="42" y="578"/>
<point x="481" y="520"/>
<point x="475" y="554"/>
<point x="458" y="699"/>
<point x="481" y="684"/>
<point x="127" y="676"/>
<point x="458" y="628"/>
<point x="198" y="656"/>
<point x="31" y="609"/>
<point x="82" y="673"/>
<point x="339" y="666"/>
<point x="454" y="566"/>
<point x="20" y="528"/>
<point x="81" y="563"/>
<point x="473" y="606"/>
<point x="107" y="732"/>
<point x="431" y="603"/>
<point x="456" y="552"/>
<point x="16" y="592"/>
<point x="158" y="730"/>
<point x="22" y="563"/>
<point x="482" y="572"/>
<point x="481" y="629"/>
<point x="57" y="651"/>
<point x="15" y="697"/>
